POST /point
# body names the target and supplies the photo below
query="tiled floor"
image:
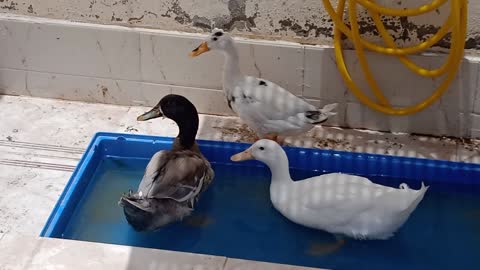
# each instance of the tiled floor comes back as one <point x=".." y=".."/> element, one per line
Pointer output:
<point x="22" y="252"/>
<point x="41" y="141"/>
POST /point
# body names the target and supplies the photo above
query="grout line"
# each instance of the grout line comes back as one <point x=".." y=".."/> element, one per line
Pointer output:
<point x="476" y="86"/>
<point x="303" y="70"/>
<point x="224" y="263"/>
<point x="109" y="78"/>
<point x="140" y="82"/>
<point x="457" y="152"/>
<point x="37" y="165"/>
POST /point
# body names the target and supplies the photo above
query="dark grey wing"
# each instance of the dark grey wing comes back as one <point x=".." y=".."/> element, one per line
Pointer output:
<point x="178" y="175"/>
<point x="154" y="167"/>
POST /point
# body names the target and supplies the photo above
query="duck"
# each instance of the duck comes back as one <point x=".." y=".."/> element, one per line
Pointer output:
<point x="347" y="206"/>
<point x="174" y="179"/>
<point x="269" y="110"/>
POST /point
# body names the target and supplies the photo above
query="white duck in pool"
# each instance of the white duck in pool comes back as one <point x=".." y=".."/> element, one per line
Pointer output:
<point x="265" y="107"/>
<point x="338" y="203"/>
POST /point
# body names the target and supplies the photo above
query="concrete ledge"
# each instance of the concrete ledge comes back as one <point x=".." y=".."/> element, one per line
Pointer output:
<point x="28" y="252"/>
<point x="135" y="66"/>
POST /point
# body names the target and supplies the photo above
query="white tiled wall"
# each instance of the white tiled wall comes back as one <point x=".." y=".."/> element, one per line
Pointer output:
<point x="13" y="81"/>
<point x="130" y="66"/>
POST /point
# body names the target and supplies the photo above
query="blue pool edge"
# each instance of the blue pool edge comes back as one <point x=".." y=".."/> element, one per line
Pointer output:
<point x="87" y="156"/>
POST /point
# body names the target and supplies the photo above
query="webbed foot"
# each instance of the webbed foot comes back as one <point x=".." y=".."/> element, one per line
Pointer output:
<point x="322" y="249"/>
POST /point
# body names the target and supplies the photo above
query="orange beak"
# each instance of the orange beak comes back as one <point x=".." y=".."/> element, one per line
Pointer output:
<point x="245" y="155"/>
<point x="200" y="49"/>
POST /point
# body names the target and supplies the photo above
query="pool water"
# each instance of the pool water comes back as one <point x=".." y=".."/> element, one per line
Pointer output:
<point x="235" y="218"/>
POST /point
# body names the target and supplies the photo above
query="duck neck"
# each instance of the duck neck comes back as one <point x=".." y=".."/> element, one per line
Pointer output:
<point x="187" y="133"/>
<point x="231" y="71"/>
<point x="279" y="169"/>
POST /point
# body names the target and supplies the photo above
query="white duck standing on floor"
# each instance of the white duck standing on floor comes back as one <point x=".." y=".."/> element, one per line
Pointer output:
<point x="271" y="111"/>
<point x="339" y="203"/>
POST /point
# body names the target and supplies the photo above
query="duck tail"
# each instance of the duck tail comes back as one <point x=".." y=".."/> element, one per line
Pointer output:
<point x="416" y="196"/>
<point x="135" y="215"/>
<point x="321" y="115"/>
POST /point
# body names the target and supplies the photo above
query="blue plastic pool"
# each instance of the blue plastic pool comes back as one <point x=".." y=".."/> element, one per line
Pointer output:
<point x="235" y="218"/>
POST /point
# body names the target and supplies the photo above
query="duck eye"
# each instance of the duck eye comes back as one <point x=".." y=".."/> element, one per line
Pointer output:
<point x="261" y="148"/>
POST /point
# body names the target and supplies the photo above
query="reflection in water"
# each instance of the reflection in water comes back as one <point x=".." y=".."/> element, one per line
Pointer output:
<point x="199" y="220"/>
<point x="322" y="249"/>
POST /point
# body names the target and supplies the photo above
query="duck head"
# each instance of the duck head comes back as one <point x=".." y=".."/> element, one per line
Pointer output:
<point x="266" y="151"/>
<point x="176" y="107"/>
<point x="182" y="111"/>
<point x="217" y="40"/>
<point x="270" y="153"/>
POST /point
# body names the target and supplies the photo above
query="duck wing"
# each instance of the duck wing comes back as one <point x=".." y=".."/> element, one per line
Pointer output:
<point x="267" y="99"/>
<point x="340" y="196"/>
<point x="177" y="175"/>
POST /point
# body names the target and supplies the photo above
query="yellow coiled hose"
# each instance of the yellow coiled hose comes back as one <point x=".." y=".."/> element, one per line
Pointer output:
<point x="456" y="24"/>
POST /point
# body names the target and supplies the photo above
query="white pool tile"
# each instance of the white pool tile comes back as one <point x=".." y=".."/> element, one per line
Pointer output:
<point x="400" y="86"/>
<point x="165" y="60"/>
<point x="280" y="64"/>
<point x="237" y="264"/>
<point x="428" y="121"/>
<point x="13" y="36"/>
<point x="322" y="79"/>
<point x="206" y="101"/>
<point x="474" y="79"/>
<point x="13" y="82"/>
<point x="73" y="49"/>
<point x="94" y="89"/>
<point x="23" y="252"/>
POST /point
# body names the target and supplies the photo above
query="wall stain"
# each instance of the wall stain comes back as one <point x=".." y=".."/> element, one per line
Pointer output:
<point x="104" y="91"/>
<point x="115" y="19"/>
<point x="405" y="30"/>
<point x="176" y="10"/>
<point x="135" y="20"/>
<point x="473" y="42"/>
<point x="12" y="6"/>
<point x="139" y="19"/>
<point x="202" y="22"/>
<point x="92" y="3"/>
<point x="151" y="13"/>
<point x="238" y="18"/>
<point x="314" y="28"/>
<point x="306" y="30"/>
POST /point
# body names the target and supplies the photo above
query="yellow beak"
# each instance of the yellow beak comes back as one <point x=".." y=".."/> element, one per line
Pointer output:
<point x="200" y="49"/>
<point x="245" y="155"/>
